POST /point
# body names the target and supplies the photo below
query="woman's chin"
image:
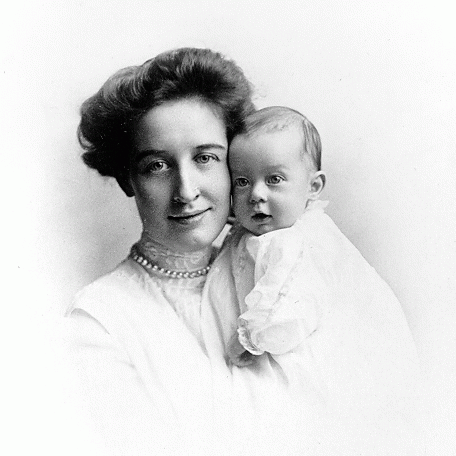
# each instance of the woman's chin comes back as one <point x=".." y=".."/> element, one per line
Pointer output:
<point x="197" y="237"/>
<point x="188" y="235"/>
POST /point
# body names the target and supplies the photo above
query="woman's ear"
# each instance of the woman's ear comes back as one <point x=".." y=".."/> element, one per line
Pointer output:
<point x="125" y="185"/>
<point x="317" y="184"/>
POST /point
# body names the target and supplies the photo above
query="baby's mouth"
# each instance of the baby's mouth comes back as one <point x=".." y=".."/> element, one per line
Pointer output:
<point x="260" y="217"/>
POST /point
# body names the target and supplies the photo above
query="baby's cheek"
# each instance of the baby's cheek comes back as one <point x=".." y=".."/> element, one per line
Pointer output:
<point x="239" y="204"/>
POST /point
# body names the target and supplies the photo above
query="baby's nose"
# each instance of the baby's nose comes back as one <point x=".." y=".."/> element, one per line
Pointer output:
<point x="259" y="193"/>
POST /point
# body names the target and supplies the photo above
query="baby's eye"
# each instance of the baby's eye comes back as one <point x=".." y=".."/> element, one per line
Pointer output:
<point x="241" y="182"/>
<point x="204" y="159"/>
<point x="275" y="179"/>
<point x="157" y="166"/>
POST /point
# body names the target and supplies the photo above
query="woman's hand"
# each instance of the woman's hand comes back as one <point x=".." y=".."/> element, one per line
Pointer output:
<point x="237" y="354"/>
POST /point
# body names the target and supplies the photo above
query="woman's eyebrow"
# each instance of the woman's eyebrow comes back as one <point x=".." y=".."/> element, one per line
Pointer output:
<point x="145" y="153"/>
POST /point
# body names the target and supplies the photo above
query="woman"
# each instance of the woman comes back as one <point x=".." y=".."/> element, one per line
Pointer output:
<point x="162" y="130"/>
<point x="149" y="343"/>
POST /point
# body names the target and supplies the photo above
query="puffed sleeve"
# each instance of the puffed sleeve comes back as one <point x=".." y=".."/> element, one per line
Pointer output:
<point x="112" y="394"/>
<point x="283" y="307"/>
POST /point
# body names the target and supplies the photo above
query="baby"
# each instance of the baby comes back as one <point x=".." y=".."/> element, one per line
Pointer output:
<point x="312" y="312"/>
<point x="276" y="179"/>
<point x="298" y="279"/>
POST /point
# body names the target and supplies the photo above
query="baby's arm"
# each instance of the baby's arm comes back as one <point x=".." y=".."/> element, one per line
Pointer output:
<point x="282" y="307"/>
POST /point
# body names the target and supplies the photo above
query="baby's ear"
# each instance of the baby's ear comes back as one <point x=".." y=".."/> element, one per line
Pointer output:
<point x="317" y="184"/>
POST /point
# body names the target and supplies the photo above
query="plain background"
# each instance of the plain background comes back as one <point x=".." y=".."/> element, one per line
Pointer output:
<point x="376" y="78"/>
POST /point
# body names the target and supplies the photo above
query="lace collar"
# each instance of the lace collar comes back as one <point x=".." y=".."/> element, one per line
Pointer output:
<point x="173" y="260"/>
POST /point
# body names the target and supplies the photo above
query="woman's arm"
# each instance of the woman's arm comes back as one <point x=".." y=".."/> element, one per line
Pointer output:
<point x="112" y="393"/>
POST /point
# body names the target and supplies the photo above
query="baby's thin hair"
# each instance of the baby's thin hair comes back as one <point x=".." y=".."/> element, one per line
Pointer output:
<point x="280" y="118"/>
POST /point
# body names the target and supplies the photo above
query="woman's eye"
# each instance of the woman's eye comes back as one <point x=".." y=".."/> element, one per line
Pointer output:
<point x="157" y="167"/>
<point x="203" y="159"/>
<point x="241" y="182"/>
<point x="274" y="180"/>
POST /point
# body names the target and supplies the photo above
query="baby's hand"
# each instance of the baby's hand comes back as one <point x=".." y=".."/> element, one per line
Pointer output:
<point x="237" y="354"/>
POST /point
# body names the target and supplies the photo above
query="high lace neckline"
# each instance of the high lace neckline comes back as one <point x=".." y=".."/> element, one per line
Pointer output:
<point x="171" y="259"/>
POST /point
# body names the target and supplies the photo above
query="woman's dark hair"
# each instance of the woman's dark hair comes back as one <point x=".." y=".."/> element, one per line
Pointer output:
<point x="108" y="116"/>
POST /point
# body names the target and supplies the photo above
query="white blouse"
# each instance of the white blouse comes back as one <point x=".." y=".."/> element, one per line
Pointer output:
<point x="151" y="356"/>
<point x="184" y="296"/>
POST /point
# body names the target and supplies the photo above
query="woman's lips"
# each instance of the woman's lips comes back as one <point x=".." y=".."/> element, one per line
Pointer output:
<point x="188" y="219"/>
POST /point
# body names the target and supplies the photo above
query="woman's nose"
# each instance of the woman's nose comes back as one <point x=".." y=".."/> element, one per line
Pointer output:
<point x="259" y="193"/>
<point x="186" y="188"/>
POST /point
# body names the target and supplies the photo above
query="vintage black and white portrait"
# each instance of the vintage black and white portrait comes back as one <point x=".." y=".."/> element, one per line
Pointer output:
<point x="231" y="228"/>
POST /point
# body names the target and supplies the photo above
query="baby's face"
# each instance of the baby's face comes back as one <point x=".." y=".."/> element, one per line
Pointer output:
<point x="271" y="182"/>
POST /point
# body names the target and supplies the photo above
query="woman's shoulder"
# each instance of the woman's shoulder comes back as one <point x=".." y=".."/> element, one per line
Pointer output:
<point x="124" y="284"/>
<point x="112" y="280"/>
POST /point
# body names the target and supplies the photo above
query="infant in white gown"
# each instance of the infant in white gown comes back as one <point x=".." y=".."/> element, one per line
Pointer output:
<point x="283" y="292"/>
<point x="308" y="300"/>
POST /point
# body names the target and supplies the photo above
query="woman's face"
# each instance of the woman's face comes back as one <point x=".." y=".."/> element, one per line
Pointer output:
<point x="179" y="174"/>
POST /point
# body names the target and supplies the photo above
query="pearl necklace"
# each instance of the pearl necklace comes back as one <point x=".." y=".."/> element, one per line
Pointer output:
<point x="141" y="259"/>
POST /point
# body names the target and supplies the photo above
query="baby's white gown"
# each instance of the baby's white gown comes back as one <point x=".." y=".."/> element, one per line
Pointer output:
<point x="333" y="335"/>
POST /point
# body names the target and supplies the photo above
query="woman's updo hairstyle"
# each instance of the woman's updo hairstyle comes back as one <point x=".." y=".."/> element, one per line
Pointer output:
<point x="108" y="116"/>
